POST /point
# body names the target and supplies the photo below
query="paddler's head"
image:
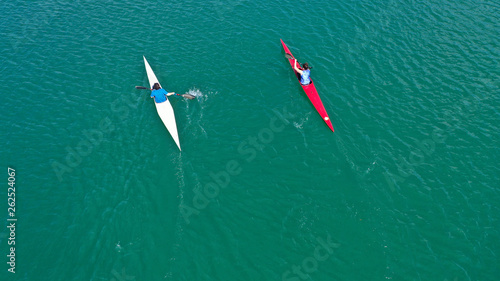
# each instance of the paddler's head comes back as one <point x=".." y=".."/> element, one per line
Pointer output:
<point x="305" y="66"/>
<point x="156" y="86"/>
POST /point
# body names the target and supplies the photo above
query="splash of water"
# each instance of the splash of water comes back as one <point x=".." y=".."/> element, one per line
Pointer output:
<point x="195" y="92"/>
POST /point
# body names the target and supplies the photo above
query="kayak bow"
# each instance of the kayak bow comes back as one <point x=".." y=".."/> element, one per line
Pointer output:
<point x="310" y="90"/>
<point x="164" y="109"/>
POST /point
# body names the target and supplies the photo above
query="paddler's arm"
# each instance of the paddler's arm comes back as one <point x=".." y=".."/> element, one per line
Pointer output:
<point x="172" y="93"/>
<point x="296" y="68"/>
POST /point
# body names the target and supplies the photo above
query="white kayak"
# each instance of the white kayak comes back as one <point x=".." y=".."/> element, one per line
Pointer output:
<point x="164" y="109"/>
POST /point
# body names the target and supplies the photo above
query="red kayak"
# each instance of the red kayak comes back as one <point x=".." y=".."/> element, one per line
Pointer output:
<point x="310" y="90"/>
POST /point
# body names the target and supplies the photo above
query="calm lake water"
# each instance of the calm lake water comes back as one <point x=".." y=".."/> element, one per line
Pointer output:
<point x="407" y="188"/>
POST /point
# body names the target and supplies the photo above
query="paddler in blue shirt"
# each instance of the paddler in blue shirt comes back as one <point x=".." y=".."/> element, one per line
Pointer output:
<point x="159" y="94"/>
<point x="304" y="73"/>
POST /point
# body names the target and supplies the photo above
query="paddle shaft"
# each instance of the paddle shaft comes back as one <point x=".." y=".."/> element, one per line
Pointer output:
<point x="290" y="57"/>
<point x="187" y="96"/>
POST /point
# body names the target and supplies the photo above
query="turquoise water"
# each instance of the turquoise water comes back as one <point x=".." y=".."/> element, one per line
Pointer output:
<point x="407" y="188"/>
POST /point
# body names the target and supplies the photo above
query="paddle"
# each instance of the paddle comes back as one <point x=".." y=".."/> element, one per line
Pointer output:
<point x="290" y="57"/>
<point x="187" y="96"/>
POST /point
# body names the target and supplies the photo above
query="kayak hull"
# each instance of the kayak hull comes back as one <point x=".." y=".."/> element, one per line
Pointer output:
<point x="164" y="109"/>
<point x="310" y="91"/>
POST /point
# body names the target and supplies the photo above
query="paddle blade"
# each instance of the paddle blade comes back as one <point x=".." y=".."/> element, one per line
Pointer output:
<point x="188" y="96"/>
<point x="141" y="88"/>
<point x="290" y="57"/>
